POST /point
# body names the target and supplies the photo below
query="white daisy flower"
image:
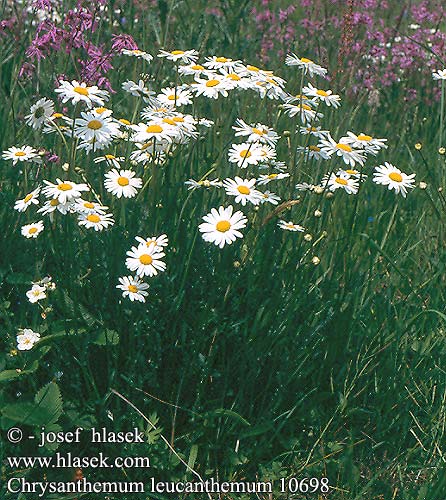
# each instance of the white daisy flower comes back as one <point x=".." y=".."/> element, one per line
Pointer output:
<point x="392" y="177"/>
<point x="94" y="127"/>
<point x="245" y="154"/>
<point x="39" y="113"/>
<point x="235" y="81"/>
<point x="32" y="230"/>
<point x="140" y="54"/>
<point x="326" y="96"/>
<point x="193" y="184"/>
<point x="315" y="131"/>
<point x="191" y="69"/>
<point x="133" y="288"/>
<point x="169" y="97"/>
<point x="342" y="149"/>
<point x="25" y="153"/>
<point x="243" y="190"/>
<point x="305" y="112"/>
<point x="290" y="226"/>
<point x="313" y="152"/>
<point x="185" y="56"/>
<point x="112" y="160"/>
<point x="159" y="241"/>
<point x="30" y="199"/>
<point x="26" y="339"/>
<point x="138" y="90"/>
<point x="256" y="132"/>
<point x="87" y="207"/>
<point x="122" y="183"/>
<point x="145" y="260"/>
<point x="51" y="206"/>
<point x="36" y="293"/>
<point x="341" y="180"/>
<point x="213" y="86"/>
<point x="266" y="178"/>
<point x="307" y="65"/>
<point x="268" y="153"/>
<point x="220" y="62"/>
<point x="268" y="87"/>
<point x="81" y="92"/>
<point x="95" y="220"/>
<point x="155" y="129"/>
<point x="439" y="74"/>
<point x="269" y="197"/>
<point x="363" y="141"/>
<point x="64" y="190"/>
<point x="222" y="226"/>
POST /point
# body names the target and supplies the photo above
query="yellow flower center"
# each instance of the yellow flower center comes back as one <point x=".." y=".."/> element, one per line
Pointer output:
<point x="305" y="106"/>
<point x="272" y="176"/>
<point x="145" y="259"/>
<point x="314" y="148"/>
<point x="170" y="121"/>
<point x="212" y="83"/>
<point x="54" y="202"/>
<point x="351" y="172"/>
<point x="179" y="119"/>
<point x="99" y="111"/>
<point x="258" y="131"/>
<point x="57" y="115"/>
<point x="137" y="52"/>
<point x="245" y="153"/>
<point x="32" y="230"/>
<point x="20" y="153"/>
<point x="233" y="76"/>
<point x="396" y="177"/>
<point x="171" y="97"/>
<point x="305" y="60"/>
<point x="110" y="157"/>
<point x="81" y="90"/>
<point x="64" y="186"/>
<point x="177" y="52"/>
<point x="154" y="129"/>
<point x="123" y="181"/>
<point x="322" y="93"/>
<point x="124" y="121"/>
<point x="344" y="147"/>
<point x="252" y="68"/>
<point x="93" y="218"/>
<point x="88" y="204"/>
<point x="197" y="67"/>
<point x="94" y="125"/>
<point x="149" y="242"/>
<point x="341" y="181"/>
<point x="28" y="197"/>
<point x="223" y="226"/>
<point x="133" y="288"/>
<point x="222" y="59"/>
<point x="363" y="137"/>
<point x="36" y="293"/>
<point x="243" y="189"/>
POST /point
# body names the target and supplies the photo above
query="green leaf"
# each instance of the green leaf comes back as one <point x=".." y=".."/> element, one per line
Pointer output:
<point x="7" y="375"/>
<point x="50" y="400"/>
<point x="222" y="412"/>
<point x="192" y="456"/>
<point x="107" y="337"/>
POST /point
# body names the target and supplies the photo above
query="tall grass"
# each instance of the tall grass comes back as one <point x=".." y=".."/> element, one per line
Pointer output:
<point x="251" y="361"/>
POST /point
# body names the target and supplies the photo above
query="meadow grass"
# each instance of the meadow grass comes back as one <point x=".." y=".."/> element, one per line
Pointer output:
<point x="252" y="361"/>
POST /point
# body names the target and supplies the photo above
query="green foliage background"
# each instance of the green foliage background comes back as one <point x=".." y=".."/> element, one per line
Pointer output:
<point x="250" y="361"/>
